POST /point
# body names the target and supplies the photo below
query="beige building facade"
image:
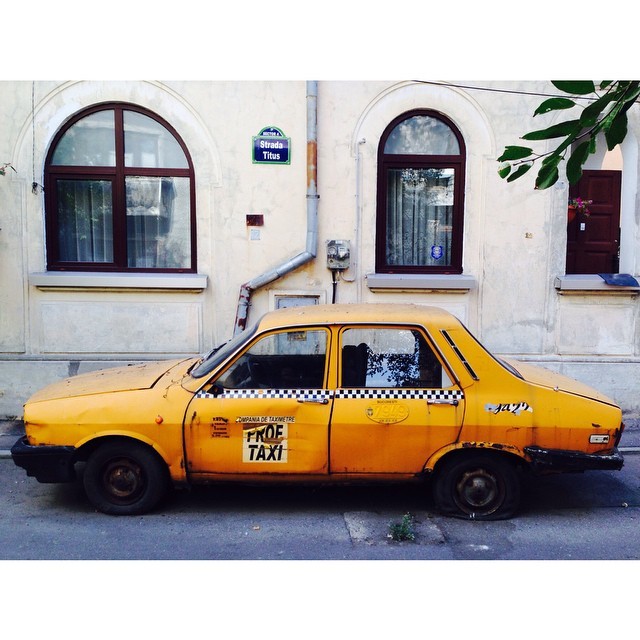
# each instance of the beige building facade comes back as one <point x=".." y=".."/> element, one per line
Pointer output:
<point x="261" y="226"/>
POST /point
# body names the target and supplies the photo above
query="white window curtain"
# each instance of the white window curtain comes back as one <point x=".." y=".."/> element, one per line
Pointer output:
<point x="419" y="216"/>
<point x="158" y="222"/>
<point x="85" y="220"/>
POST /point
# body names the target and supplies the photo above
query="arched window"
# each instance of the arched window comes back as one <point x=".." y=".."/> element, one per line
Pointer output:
<point x="119" y="194"/>
<point x="420" y="206"/>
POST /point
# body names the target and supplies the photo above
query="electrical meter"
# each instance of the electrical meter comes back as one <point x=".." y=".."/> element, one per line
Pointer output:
<point x="338" y="255"/>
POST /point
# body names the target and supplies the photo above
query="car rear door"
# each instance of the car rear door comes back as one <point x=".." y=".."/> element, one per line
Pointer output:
<point x="396" y="403"/>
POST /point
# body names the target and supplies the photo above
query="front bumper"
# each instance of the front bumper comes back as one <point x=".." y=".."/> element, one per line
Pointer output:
<point x="566" y="461"/>
<point x="45" y="463"/>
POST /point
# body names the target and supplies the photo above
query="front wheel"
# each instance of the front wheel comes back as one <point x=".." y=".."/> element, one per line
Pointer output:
<point x="125" y="478"/>
<point x="477" y="486"/>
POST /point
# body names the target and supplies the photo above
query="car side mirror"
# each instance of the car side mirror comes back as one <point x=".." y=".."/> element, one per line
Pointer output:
<point x="216" y="390"/>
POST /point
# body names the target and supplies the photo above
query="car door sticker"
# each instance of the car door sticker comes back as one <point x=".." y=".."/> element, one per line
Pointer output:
<point x="514" y="407"/>
<point x="219" y="427"/>
<point x="406" y="394"/>
<point x="266" y="394"/>
<point x="264" y="442"/>
<point x="360" y="393"/>
<point x="387" y="412"/>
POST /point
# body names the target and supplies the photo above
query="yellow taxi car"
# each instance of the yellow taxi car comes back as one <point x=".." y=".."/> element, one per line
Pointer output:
<point x="325" y="393"/>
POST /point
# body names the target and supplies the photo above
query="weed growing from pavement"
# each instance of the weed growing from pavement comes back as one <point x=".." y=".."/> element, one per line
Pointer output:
<point x="403" y="530"/>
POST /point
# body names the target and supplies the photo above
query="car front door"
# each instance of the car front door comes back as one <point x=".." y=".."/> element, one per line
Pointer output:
<point x="395" y="405"/>
<point x="267" y="412"/>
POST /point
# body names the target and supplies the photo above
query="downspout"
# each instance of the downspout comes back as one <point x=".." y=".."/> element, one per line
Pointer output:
<point x="312" y="217"/>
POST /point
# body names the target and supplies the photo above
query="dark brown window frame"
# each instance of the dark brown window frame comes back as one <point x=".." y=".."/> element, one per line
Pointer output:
<point x="396" y="161"/>
<point x="116" y="175"/>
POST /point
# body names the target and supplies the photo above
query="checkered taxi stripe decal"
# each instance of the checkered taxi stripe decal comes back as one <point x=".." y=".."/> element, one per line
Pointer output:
<point x="269" y="394"/>
<point x="432" y="395"/>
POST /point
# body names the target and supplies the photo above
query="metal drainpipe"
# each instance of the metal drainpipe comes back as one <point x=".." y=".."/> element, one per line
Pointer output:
<point x="312" y="217"/>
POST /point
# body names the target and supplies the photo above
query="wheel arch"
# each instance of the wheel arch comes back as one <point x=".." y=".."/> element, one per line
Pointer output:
<point x="84" y="450"/>
<point x="461" y="449"/>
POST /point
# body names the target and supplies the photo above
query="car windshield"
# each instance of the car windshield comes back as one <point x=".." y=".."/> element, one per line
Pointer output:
<point x="218" y="355"/>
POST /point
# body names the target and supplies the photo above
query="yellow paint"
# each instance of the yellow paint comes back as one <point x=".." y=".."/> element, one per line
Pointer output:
<point x="204" y="436"/>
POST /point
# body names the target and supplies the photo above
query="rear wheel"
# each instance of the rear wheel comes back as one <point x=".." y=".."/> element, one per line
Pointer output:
<point x="477" y="486"/>
<point x="125" y="478"/>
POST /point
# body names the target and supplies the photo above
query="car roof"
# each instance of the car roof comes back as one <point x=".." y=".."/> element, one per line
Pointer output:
<point x="374" y="313"/>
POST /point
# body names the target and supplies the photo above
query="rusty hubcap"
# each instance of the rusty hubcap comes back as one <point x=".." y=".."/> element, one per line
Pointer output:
<point x="123" y="479"/>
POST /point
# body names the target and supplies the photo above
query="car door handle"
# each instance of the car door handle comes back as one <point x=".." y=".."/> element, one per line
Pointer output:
<point x="314" y="400"/>
<point x="451" y="401"/>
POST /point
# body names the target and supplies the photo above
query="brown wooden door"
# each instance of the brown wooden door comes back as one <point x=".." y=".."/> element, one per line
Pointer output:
<point x="593" y="241"/>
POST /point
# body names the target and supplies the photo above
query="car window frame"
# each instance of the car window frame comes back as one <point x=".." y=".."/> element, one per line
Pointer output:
<point x="432" y="344"/>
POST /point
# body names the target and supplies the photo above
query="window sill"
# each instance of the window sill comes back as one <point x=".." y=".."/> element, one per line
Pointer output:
<point x="437" y="283"/>
<point x="65" y="280"/>
<point x="587" y="284"/>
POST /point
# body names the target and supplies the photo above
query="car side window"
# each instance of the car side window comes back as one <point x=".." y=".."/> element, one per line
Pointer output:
<point x="286" y="360"/>
<point x="389" y="357"/>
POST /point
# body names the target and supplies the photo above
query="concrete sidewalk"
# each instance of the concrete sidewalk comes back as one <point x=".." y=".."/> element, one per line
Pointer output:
<point x="11" y="430"/>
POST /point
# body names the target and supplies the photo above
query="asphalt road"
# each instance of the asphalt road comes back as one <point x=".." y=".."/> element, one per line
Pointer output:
<point x="590" y="516"/>
<point x="594" y="515"/>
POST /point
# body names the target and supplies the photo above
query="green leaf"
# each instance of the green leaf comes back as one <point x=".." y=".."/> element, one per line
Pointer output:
<point x="617" y="131"/>
<point x="568" y="128"/>
<point x="515" y="153"/>
<point x="520" y="171"/>
<point x="547" y="176"/>
<point x="576" y="87"/>
<point x="504" y="170"/>
<point x="554" y="104"/>
<point x="629" y="93"/>
<point x="615" y="123"/>
<point x="548" y="173"/>
<point x="590" y="113"/>
<point x="575" y="162"/>
<point x="553" y="159"/>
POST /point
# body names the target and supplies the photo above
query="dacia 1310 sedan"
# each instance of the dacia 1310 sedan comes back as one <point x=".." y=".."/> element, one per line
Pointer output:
<point x="325" y="393"/>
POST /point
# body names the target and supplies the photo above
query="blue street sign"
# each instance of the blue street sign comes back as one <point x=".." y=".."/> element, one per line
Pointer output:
<point x="271" y="146"/>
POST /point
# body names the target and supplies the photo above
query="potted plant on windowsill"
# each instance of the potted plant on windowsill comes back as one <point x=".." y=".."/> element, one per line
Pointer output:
<point x="578" y="205"/>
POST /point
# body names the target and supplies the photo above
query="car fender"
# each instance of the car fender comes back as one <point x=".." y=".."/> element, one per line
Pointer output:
<point x="175" y="466"/>
<point x="436" y="457"/>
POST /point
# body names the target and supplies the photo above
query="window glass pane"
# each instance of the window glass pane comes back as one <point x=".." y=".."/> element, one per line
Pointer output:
<point x="89" y="142"/>
<point x="389" y="357"/>
<point x="419" y="216"/>
<point x="422" y="135"/>
<point x="148" y="144"/>
<point x="291" y="360"/>
<point x="158" y="222"/>
<point x="85" y="231"/>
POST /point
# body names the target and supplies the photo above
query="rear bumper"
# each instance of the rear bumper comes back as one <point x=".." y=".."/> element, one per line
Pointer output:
<point x="561" y="460"/>
<point x="45" y="464"/>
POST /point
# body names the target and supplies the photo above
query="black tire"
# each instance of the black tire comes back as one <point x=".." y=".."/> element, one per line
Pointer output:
<point x="125" y="478"/>
<point x="477" y="486"/>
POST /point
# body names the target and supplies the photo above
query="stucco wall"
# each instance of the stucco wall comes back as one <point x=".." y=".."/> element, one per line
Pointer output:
<point x="514" y="242"/>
